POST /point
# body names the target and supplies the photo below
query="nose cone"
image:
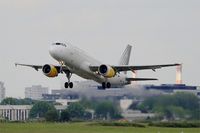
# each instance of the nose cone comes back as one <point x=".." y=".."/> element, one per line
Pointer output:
<point x="53" y="51"/>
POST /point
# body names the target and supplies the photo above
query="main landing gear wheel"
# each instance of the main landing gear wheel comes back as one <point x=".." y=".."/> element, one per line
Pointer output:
<point x="71" y="85"/>
<point x="68" y="84"/>
<point x="106" y="85"/>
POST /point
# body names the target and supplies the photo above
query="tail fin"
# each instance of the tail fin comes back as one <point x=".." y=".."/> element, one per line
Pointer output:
<point x="124" y="60"/>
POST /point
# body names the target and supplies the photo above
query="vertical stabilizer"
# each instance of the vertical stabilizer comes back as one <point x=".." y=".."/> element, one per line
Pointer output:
<point x="124" y="60"/>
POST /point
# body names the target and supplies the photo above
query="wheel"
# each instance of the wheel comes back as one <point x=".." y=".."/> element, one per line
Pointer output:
<point x="103" y="85"/>
<point x="66" y="84"/>
<point x="108" y="85"/>
<point x="71" y="85"/>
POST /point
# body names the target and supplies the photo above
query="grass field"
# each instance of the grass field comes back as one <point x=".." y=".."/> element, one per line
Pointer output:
<point x="84" y="128"/>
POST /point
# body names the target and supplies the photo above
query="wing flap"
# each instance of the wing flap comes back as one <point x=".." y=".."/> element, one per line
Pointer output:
<point x="140" y="79"/>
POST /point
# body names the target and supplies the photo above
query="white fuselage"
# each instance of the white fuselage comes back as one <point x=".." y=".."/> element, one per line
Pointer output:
<point x="78" y="62"/>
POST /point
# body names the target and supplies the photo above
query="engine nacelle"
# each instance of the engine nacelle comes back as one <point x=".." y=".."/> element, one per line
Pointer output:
<point x="107" y="71"/>
<point x="50" y="70"/>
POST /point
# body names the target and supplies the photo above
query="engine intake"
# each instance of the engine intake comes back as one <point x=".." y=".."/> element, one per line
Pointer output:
<point x="107" y="71"/>
<point x="50" y="70"/>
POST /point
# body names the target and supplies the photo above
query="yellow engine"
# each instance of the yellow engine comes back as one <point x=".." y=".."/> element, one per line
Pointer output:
<point x="107" y="71"/>
<point x="50" y="70"/>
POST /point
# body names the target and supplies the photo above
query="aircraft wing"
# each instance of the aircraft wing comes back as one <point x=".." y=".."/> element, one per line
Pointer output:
<point x="133" y="68"/>
<point x="37" y="67"/>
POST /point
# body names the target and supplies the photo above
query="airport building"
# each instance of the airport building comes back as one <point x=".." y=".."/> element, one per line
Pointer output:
<point x="2" y="91"/>
<point x="132" y="115"/>
<point x="15" y="112"/>
<point x="20" y="112"/>
<point x="35" y="92"/>
<point x="173" y="88"/>
<point x="91" y="89"/>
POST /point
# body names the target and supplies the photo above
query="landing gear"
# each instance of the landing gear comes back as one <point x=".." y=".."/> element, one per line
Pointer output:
<point x="106" y="85"/>
<point x="68" y="84"/>
<point x="71" y="85"/>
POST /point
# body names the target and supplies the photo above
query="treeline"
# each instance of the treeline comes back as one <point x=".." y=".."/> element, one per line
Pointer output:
<point x="83" y="110"/>
<point x="179" y="106"/>
<point x="103" y="108"/>
<point x="15" y="101"/>
<point x="173" y="107"/>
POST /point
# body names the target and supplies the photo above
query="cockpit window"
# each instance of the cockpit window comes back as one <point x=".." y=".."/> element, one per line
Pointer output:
<point x="62" y="44"/>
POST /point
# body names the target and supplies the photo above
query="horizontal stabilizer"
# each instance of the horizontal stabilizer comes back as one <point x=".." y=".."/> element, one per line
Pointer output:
<point x="140" y="79"/>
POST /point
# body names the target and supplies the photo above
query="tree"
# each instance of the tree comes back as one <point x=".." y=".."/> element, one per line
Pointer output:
<point x="86" y="103"/>
<point x="9" y="101"/>
<point x="15" y="101"/>
<point x="107" y="110"/>
<point x="51" y="115"/>
<point x="40" y="108"/>
<point x="187" y="100"/>
<point x="76" y="110"/>
<point x="64" y="116"/>
<point x="179" y="105"/>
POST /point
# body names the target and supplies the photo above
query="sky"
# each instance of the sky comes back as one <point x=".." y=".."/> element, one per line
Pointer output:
<point x="160" y="31"/>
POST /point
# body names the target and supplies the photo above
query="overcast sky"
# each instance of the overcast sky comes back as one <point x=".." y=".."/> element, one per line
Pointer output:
<point x="161" y="31"/>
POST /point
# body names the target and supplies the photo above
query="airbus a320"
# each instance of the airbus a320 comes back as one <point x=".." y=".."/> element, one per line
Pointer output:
<point x="72" y="60"/>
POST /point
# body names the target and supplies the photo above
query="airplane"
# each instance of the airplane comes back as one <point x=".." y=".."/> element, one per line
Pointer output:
<point x="73" y="60"/>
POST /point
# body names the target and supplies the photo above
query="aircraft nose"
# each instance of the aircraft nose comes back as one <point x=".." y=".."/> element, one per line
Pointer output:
<point x="53" y="51"/>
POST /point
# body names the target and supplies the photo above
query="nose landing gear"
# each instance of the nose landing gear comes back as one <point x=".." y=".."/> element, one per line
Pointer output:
<point x="68" y="84"/>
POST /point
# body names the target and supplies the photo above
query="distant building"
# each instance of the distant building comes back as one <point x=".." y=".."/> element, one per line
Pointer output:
<point x="64" y="99"/>
<point x="195" y="92"/>
<point x="2" y="91"/>
<point x="20" y="112"/>
<point x="35" y="92"/>
<point x="132" y="115"/>
<point x="67" y="102"/>
<point x="173" y="88"/>
<point x="125" y="103"/>
<point x="15" y="112"/>
<point x="91" y="89"/>
<point x="54" y="97"/>
<point x="170" y="87"/>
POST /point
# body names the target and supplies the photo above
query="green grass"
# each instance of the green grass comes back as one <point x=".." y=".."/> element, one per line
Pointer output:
<point x="85" y="128"/>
